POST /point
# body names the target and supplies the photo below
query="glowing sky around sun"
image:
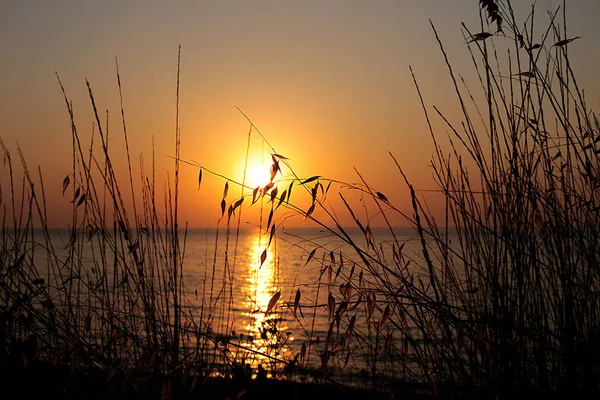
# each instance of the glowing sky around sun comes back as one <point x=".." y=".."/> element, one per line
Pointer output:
<point x="327" y="83"/>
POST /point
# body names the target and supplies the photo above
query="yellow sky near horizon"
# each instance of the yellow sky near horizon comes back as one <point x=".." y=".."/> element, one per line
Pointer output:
<point x="326" y="82"/>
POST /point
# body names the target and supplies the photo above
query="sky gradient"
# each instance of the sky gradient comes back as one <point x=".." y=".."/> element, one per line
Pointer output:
<point x="327" y="82"/>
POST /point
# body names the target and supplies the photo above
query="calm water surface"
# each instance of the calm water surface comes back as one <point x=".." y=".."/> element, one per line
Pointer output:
<point x="228" y="285"/>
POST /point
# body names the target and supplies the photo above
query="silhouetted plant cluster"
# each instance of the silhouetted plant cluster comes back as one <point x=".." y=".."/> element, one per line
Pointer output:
<point x="505" y="296"/>
<point x="502" y="296"/>
<point x="493" y="12"/>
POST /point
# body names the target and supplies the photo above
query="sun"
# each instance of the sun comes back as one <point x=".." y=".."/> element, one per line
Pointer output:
<point x="258" y="171"/>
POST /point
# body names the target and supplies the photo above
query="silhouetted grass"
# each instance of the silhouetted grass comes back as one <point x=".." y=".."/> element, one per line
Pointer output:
<point x="504" y="299"/>
<point x="501" y="299"/>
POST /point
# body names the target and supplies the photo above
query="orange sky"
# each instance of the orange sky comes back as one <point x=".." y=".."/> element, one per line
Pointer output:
<point x="327" y="82"/>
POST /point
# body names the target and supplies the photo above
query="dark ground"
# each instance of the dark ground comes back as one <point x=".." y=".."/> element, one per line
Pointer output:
<point x="42" y="380"/>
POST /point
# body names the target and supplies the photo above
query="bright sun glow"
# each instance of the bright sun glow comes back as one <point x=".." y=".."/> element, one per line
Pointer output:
<point x="258" y="171"/>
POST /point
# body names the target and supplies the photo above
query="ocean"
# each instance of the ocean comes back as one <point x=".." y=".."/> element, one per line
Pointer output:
<point x="304" y="295"/>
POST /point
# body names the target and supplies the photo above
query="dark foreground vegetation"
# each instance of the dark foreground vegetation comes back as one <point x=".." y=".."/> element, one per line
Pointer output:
<point x="504" y="305"/>
<point x="43" y="380"/>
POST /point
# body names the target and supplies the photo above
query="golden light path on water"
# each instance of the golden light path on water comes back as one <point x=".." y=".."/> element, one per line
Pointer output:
<point x="269" y="332"/>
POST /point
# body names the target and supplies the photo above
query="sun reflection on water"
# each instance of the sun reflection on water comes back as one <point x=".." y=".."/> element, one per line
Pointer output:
<point x="266" y="334"/>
